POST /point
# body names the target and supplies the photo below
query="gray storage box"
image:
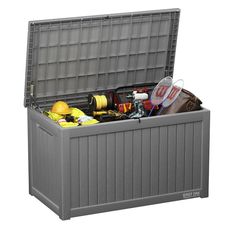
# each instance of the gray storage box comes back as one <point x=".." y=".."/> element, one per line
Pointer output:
<point x="114" y="165"/>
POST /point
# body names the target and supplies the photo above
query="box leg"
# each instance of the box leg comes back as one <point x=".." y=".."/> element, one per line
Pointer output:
<point x="64" y="211"/>
<point x="64" y="217"/>
<point x="204" y="194"/>
<point x="30" y="191"/>
<point x="64" y="152"/>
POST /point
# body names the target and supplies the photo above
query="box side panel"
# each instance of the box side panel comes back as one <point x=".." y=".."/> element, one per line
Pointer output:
<point x="135" y="164"/>
<point x="44" y="163"/>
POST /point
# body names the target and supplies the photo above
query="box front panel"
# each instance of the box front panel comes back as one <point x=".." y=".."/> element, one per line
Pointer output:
<point x="135" y="164"/>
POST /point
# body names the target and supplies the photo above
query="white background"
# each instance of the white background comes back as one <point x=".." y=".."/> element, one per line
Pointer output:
<point x="205" y="59"/>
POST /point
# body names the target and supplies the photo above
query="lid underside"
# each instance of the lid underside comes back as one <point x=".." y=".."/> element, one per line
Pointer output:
<point x="68" y="58"/>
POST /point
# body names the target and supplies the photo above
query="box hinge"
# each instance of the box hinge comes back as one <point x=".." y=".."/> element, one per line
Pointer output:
<point x="33" y="102"/>
<point x="32" y="90"/>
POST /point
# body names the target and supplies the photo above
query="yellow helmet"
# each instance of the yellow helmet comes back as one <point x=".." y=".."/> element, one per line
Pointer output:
<point x="61" y="108"/>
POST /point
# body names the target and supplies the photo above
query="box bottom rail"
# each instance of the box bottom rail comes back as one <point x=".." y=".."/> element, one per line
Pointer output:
<point x="119" y="205"/>
<point x="136" y="202"/>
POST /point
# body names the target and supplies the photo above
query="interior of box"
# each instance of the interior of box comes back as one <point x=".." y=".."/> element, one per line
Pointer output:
<point x="184" y="102"/>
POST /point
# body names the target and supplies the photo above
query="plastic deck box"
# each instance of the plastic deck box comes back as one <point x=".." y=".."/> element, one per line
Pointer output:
<point x="115" y="165"/>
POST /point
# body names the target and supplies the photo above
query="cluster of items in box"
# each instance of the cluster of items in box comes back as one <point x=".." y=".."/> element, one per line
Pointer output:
<point x="166" y="97"/>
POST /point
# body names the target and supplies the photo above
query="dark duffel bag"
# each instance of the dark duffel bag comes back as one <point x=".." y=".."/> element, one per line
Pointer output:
<point x="185" y="102"/>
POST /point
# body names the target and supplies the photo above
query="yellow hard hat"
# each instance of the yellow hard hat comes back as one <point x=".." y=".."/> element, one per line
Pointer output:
<point x="61" y="108"/>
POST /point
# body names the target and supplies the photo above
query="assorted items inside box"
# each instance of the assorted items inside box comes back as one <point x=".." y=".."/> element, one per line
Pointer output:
<point x="165" y="97"/>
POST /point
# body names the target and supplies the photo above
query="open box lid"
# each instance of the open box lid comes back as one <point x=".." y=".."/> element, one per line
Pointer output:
<point x="69" y="58"/>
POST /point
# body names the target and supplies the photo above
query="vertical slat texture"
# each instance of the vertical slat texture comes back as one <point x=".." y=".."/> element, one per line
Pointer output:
<point x="102" y="169"/>
<point x="128" y="164"/>
<point x="155" y="141"/>
<point x="119" y="166"/>
<point x="188" y="156"/>
<point x="146" y="168"/>
<point x="180" y="162"/>
<point x="83" y="169"/>
<point x="134" y="164"/>
<point x="171" y="158"/>
<point x="197" y="155"/>
<point x="111" y="168"/>
<point x="163" y="167"/>
<point x="93" y="170"/>
<point x="74" y="172"/>
<point x="137" y="163"/>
